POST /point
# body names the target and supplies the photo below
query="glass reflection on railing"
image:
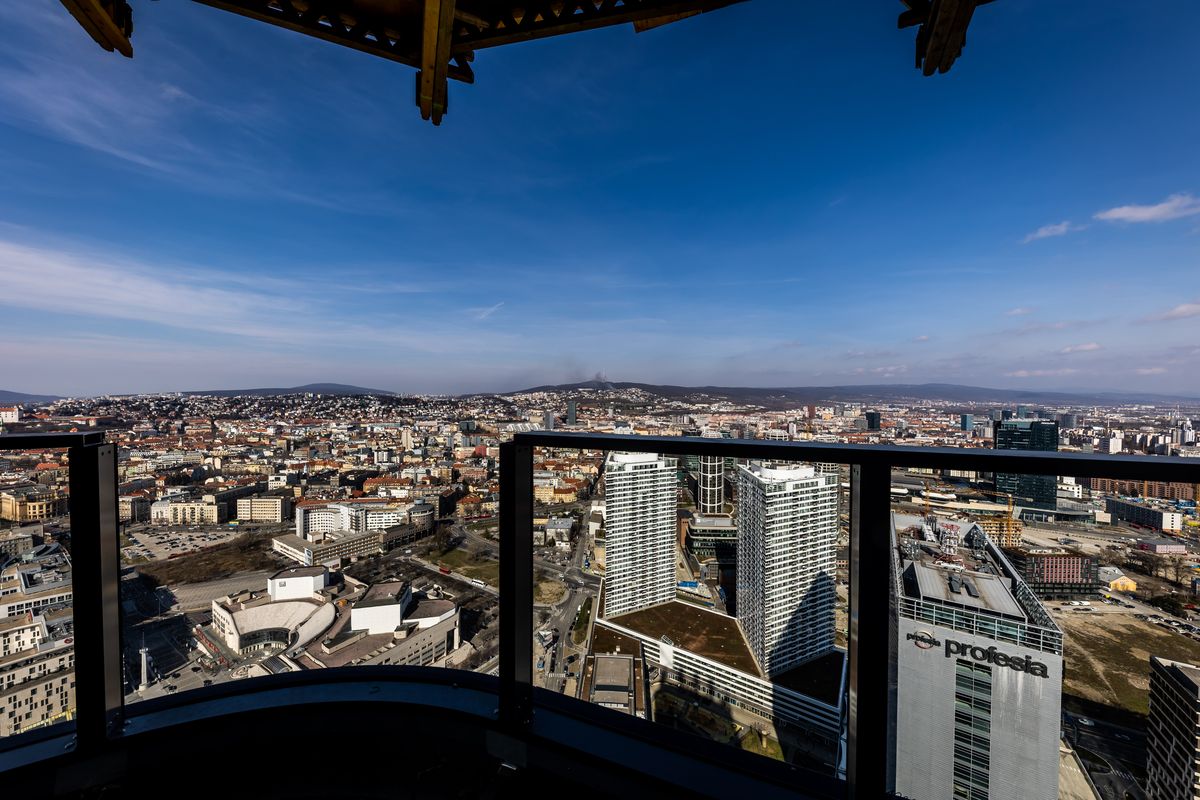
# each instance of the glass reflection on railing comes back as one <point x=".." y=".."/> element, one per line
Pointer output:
<point x="252" y="552"/>
<point x="703" y="594"/>
<point x="37" y="652"/>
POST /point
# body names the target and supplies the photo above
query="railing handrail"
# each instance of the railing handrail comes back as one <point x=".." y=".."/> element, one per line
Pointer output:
<point x="49" y="441"/>
<point x="1171" y="469"/>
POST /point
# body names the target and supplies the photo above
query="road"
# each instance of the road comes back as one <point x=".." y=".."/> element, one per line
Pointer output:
<point x="1118" y="746"/>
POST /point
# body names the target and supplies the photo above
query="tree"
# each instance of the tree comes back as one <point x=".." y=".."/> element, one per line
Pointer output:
<point x="1179" y="568"/>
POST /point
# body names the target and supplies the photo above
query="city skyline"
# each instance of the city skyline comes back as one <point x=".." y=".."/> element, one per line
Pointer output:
<point x="168" y="227"/>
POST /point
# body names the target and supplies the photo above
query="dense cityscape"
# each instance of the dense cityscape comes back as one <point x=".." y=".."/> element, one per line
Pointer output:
<point x="272" y="533"/>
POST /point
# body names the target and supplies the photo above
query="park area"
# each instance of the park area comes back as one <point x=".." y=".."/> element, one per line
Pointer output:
<point x="477" y="565"/>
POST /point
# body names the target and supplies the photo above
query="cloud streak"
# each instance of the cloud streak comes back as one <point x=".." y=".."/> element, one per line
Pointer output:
<point x="483" y="313"/>
<point x="1176" y="206"/>
<point x="1041" y="373"/>
<point x="1088" y="347"/>
<point x="1181" y="311"/>
<point x="1049" y="231"/>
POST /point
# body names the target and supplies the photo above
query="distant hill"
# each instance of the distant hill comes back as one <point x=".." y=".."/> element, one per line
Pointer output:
<point x="20" y="398"/>
<point x="314" y="388"/>
<point x="803" y="395"/>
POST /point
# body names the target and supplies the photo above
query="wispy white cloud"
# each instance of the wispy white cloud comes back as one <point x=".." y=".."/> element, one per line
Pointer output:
<point x="484" y="313"/>
<point x="1018" y="312"/>
<point x="1174" y="207"/>
<point x="921" y="338"/>
<point x="1150" y="370"/>
<point x="1040" y="373"/>
<point x="1048" y="231"/>
<point x="1181" y="311"/>
<point x="1087" y="347"/>
<point x="889" y="371"/>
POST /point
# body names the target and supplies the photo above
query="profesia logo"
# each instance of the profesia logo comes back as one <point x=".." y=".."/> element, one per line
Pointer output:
<point x="989" y="655"/>
<point x="923" y="640"/>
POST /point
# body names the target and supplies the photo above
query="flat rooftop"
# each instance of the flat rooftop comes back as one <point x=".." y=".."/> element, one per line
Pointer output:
<point x="975" y="590"/>
<point x="299" y="572"/>
<point x="697" y="630"/>
<point x="820" y="679"/>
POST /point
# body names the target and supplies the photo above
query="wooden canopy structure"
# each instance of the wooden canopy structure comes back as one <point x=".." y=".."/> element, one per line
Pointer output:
<point x="440" y="37"/>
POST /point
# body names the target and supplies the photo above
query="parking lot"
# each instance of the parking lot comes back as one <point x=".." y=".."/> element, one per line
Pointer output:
<point x="158" y="542"/>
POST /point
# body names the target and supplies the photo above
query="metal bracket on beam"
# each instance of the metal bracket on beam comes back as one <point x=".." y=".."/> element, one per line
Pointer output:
<point x="432" y="80"/>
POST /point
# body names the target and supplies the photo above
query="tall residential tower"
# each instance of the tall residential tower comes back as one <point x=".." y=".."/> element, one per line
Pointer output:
<point x="787" y="547"/>
<point x="640" y="521"/>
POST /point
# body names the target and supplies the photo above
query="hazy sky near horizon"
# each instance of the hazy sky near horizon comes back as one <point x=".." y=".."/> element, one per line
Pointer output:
<point x="244" y="206"/>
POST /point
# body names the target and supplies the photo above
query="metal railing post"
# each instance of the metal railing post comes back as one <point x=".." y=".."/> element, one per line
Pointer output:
<point x="96" y="577"/>
<point x="516" y="584"/>
<point x="869" y="716"/>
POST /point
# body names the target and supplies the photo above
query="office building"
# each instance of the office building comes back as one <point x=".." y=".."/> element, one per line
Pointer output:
<point x="710" y="481"/>
<point x="1172" y="752"/>
<point x="264" y="509"/>
<point x="1141" y="514"/>
<point x="713" y="536"/>
<point x="966" y="422"/>
<point x="978" y="674"/>
<point x="9" y="414"/>
<point x="32" y="503"/>
<point x="1023" y="412"/>
<point x="1040" y="491"/>
<point x="640" y="523"/>
<point x="1068" y="421"/>
<point x="786" y="554"/>
<point x="873" y="420"/>
<point x="571" y="412"/>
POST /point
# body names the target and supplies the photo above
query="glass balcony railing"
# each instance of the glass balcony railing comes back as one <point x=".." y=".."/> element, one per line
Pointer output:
<point x="833" y="619"/>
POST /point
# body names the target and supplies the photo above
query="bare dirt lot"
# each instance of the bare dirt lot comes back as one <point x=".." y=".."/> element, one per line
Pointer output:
<point x="1107" y="657"/>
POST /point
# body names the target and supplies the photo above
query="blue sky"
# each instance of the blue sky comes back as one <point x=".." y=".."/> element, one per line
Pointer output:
<point x="728" y="200"/>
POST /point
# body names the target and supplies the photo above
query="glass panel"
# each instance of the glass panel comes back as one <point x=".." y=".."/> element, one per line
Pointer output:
<point x="1037" y="606"/>
<point x="723" y="607"/>
<point x="256" y="547"/>
<point x="37" y="653"/>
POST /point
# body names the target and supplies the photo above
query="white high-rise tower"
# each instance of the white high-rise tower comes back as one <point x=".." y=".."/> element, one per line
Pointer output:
<point x="640" y="521"/>
<point x="710" y="481"/>
<point x="786" y="557"/>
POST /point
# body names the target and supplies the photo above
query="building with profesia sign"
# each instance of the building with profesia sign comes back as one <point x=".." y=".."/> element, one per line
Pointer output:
<point x="977" y="671"/>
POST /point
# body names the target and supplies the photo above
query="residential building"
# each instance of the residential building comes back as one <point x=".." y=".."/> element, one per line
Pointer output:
<point x="37" y="671"/>
<point x="10" y="414"/>
<point x="1055" y="573"/>
<point x="187" y="512"/>
<point x="1149" y="489"/>
<point x="639" y="517"/>
<point x="786" y="553"/>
